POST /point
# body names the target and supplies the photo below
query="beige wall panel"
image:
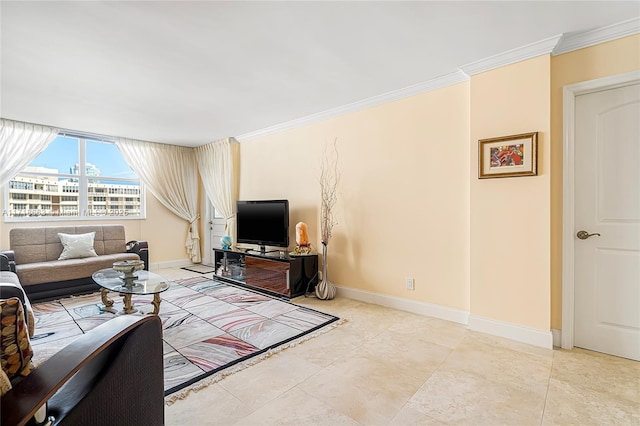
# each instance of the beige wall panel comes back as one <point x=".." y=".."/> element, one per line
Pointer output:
<point x="606" y="59"/>
<point x="510" y="216"/>
<point x="165" y="232"/>
<point x="403" y="201"/>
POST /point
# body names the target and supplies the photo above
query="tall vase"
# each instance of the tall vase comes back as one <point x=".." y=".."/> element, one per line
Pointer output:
<point x="325" y="290"/>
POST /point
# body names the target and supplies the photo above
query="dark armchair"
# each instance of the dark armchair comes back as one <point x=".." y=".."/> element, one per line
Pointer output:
<point x="113" y="375"/>
<point x="10" y="287"/>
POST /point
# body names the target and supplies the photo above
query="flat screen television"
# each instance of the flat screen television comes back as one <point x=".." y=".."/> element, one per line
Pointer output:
<point x="263" y="222"/>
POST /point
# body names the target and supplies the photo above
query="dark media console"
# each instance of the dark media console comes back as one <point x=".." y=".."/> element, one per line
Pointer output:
<point x="275" y="274"/>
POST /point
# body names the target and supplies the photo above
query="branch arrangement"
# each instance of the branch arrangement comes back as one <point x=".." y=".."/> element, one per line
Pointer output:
<point x="329" y="178"/>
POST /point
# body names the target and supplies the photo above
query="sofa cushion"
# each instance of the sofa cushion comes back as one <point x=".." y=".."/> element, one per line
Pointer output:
<point x="65" y="270"/>
<point x="77" y="246"/>
<point x="54" y="245"/>
<point x="113" y="240"/>
<point x="40" y="244"/>
<point x="15" y="348"/>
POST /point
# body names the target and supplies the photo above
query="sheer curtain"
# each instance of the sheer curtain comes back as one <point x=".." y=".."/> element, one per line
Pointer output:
<point x="218" y="166"/>
<point x="170" y="172"/>
<point x="20" y="143"/>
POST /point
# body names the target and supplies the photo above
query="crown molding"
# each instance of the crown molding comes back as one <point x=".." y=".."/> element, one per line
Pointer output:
<point x="529" y="51"/>
<point x="415" y="89"/>
<point x="561" y="43"/>
<point x="575" y="41"/>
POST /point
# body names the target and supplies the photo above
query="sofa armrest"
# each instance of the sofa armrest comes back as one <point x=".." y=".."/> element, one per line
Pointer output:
<point x="141" y="248"/>
<point x="7" y="260"/>
<point x="9" y="290"/>
<point x="74" y="381"/>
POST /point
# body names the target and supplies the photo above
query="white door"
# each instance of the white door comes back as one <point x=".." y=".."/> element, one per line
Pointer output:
<point x="607" y="202"/>
<point x="216" y="228"/>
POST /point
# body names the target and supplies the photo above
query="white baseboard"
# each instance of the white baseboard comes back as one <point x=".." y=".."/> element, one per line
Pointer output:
<point x="515" y="332"/>
<point x="519" y="333"/>
<point x="421" y="308"/>
<point x="557" y="337"/>
<point x="178" y="263"/>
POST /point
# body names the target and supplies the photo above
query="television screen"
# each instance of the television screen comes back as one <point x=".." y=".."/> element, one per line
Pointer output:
<point x="265" y="223"/>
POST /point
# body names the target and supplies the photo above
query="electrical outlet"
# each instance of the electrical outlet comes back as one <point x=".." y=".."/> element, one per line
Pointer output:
<point x="410" y="283"/>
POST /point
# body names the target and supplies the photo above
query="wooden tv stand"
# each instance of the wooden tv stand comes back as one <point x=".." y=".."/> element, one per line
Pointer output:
<point x="277" y="274"/>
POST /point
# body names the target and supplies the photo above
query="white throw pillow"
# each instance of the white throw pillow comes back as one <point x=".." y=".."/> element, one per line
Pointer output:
<point x="77" y="245"/>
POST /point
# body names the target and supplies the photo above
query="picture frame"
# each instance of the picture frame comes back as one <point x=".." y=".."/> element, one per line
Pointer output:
<point x="508" y="156"/>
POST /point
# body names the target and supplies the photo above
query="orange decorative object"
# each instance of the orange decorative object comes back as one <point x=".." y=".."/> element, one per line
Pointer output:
<point x="302" y="236"/>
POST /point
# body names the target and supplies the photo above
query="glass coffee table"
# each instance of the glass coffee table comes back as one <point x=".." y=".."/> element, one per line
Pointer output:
<point x="144" y="283"/>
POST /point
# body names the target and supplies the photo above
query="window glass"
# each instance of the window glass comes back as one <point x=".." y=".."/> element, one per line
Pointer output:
<point x="110" y="161"/>
<point x="59" y="157"/>
<point x="75" y="178"/>
<point x="109" y="197"/>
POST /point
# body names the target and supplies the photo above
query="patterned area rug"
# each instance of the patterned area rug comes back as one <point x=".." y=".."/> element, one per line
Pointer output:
<point x="208" y="326"/>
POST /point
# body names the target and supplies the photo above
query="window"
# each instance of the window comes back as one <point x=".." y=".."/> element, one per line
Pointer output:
<point x="20" y="185"/>
<point x="62" y="180"/>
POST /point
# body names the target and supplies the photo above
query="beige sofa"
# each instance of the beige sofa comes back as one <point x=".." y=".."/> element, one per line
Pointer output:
<point x="34" y="254"/>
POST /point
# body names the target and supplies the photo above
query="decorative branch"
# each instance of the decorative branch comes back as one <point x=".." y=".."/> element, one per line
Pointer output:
<point x="329" y="178"/>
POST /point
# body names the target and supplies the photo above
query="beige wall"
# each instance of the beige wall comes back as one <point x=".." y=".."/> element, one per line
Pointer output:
<point x="410" y="197"/>
<point x="403" y="202"/>
<point x="509" y="216"/>
<point x="606" y="59"/>
<point x="165" y="232"/>
<point x="522" y="97"/>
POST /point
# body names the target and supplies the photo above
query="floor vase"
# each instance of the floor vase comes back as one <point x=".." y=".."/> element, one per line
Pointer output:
<point x="325" y="290"/>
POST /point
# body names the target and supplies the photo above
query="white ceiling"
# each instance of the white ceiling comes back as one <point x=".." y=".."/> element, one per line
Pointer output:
<point x="190" y="73"/>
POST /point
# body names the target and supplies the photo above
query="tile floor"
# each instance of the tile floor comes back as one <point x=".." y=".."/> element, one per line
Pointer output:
<point x="389" y="367"/>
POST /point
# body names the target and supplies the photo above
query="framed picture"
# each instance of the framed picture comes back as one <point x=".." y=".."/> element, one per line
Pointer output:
<point x="508" y="156"/>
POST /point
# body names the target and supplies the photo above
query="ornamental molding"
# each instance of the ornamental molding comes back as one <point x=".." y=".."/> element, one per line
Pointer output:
<point x="556" y="45"/>
<point x="575" y="41"/>
<point x="542" y="47"/>
<point x="415" y="89"/>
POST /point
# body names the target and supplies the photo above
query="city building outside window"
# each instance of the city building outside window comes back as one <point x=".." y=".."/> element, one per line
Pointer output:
<point x="70" y="179"/>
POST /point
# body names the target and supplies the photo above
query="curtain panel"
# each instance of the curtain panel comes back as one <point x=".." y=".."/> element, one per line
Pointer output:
<point x="171" y="175"/>
<point x="218" y="167"/>
<point x="20" y="143"/>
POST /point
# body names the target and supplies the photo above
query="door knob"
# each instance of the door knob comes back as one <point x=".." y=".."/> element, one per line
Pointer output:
<point x="583" y="235"/>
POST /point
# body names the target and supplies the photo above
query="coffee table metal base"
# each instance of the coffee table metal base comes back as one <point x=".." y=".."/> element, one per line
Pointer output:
<point x="128" y="304"/>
